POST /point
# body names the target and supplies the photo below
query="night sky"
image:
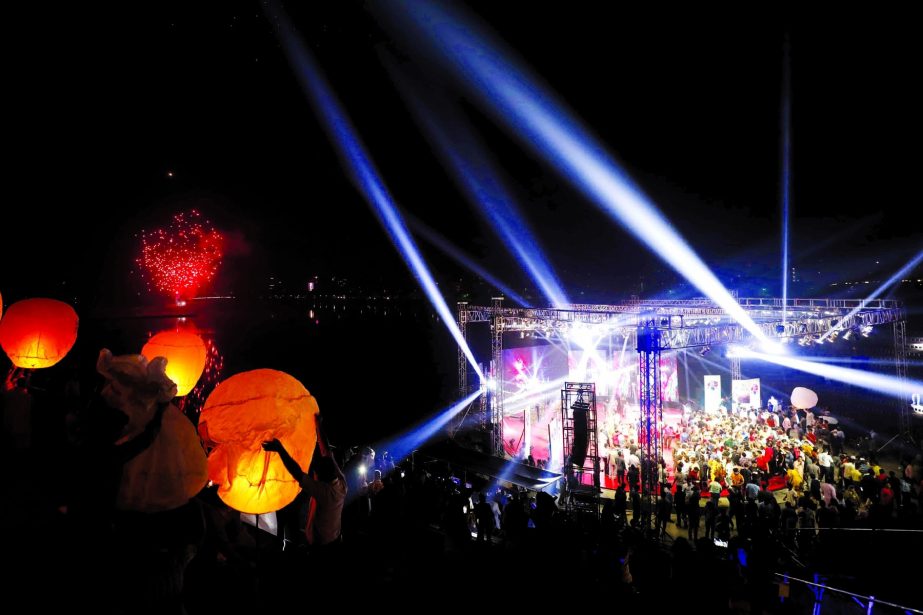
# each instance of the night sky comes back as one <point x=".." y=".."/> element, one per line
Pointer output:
<point x="118" y="118"/>
<point x="120" y="115"/>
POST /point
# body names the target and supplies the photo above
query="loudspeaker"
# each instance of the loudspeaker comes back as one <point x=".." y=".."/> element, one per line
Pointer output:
<point x="581" y="439"/>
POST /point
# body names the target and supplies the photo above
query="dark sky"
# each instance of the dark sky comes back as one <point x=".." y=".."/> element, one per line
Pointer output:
<point x="105" y="103"/>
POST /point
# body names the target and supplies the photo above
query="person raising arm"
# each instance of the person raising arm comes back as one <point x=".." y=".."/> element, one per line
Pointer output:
<point x="328" y="489"/>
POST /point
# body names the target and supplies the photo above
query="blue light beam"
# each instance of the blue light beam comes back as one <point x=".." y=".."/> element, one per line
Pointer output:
<point x="403" y="445"/>
<point x="462" y="259"/>
<point x="471" y="168"/>
<point x="887" y="283"/>
<point x="360" y="167"/>
<point x="786" y="172"/>
<point x="545" y="125"/>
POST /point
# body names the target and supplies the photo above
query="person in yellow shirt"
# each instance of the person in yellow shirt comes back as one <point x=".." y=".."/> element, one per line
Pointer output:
<point x="712" y="467"/>
<point x="795" y="479"/>
<point x="737" y="479"/>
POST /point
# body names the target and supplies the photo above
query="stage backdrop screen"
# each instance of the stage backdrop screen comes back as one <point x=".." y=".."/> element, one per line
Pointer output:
<point x="533" y="377"/>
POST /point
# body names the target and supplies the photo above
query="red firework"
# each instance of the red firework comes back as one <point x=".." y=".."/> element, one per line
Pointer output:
<point x="182" y="257"/>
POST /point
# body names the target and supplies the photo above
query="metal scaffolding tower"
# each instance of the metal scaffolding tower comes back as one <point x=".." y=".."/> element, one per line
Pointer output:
<point x="734" y="367"/>
<point x="649" y="347"/>
<point x="900" y="363"/>
<point x="496" y="376"/>
<point x="483" y="423"/>
<point x="462" y="359"/>
<point x="581" y="451"/>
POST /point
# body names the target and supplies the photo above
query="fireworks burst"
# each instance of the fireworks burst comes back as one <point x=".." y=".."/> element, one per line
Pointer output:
<point x="211" y="376"/>
<point x="182" y="257"/>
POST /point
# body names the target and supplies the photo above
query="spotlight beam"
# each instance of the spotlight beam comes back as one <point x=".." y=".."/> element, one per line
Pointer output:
<point x="881" y="383"/>
<point x="401" y="446"/>
<point x="470" y="165"/>
<point x="360" y="167"/>
<point x="913" y="262"/>
<point x="532" y="114"/>
<point x="853" y="361"/>
<point x="786" y="174"/>
<point x="462" y="259"/>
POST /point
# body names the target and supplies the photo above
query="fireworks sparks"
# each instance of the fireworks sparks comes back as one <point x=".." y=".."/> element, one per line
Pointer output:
<point x="211" y="375"/>
<point x="182" y="257"/>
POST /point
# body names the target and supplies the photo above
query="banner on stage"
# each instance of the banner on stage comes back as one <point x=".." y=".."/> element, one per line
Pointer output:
<point x="712" y="393"/>
<point x="746" y="393"/>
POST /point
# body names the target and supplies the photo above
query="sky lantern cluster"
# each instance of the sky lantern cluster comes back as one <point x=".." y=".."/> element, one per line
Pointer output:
<point x="238" y="416"/>
<point x="37" y="333"/>
<point x="183" y="257"/>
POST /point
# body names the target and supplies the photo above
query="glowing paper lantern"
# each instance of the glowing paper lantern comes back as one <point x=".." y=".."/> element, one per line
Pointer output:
<point x="238" y="416"/>
<point x="803" y="398"/>
<point x="38" y="333"/>
<point x="185" y="354"/>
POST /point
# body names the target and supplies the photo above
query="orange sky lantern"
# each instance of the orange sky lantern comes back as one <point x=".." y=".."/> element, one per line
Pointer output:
<point x="37" y="333"/>
<point x="185" y="353"/>
<point x="238" y="416"/>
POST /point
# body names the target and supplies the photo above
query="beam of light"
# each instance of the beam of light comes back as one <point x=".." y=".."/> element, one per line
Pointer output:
<point x="401" y="446"/>
<point x="516" y="99"/>
<point x="786" y="172"/>
<point x="550" y="388"/>
<point x="509" y="468"/>
<point x="881" y="383"/>
<point x="361" y="168"/>
<point x="767" y="388"/>
<point x="885" y="285"/>
<point x="462" y="259"/>
<point x="863" y="361"/>
<point x="471" y="167"/>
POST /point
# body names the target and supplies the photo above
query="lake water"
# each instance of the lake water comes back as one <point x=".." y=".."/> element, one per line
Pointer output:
<point x="374" y="369"/>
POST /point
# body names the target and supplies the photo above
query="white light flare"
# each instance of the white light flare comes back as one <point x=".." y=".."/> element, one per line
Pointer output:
<point x="882" y="383"/>
<point x="532" y="114"/>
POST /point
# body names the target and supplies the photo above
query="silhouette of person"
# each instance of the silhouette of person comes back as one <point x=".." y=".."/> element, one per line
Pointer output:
<point x="328" y="489"/>
<point x="484" y="516"/>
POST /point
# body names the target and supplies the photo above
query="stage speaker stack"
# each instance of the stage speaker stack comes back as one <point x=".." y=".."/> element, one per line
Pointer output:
<point x="581" y="438"/>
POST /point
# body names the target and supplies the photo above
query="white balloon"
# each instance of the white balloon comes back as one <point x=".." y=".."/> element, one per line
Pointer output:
<point x="803" y="398"/>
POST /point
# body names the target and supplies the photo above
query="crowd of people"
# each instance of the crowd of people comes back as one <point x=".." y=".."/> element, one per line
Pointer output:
<point x="403" y="523"/>
<point x="742" y="454"/>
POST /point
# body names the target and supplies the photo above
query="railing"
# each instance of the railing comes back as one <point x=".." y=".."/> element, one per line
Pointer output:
<point x="816" y="593"/>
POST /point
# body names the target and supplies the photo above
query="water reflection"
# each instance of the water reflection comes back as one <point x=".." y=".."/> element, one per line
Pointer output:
<point x="374" y="366"/>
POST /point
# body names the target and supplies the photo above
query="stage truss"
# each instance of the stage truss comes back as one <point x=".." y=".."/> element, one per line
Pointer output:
<point x="653" y="326"/>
